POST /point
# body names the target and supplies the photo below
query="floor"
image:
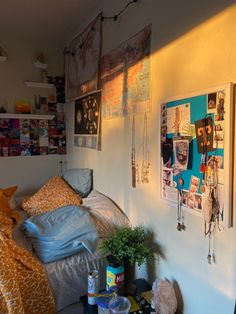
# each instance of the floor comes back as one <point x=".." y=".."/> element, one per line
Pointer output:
<point x="76" y="308"/>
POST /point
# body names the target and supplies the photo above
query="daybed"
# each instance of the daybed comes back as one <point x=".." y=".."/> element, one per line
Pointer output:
<point x="67" y="275"/>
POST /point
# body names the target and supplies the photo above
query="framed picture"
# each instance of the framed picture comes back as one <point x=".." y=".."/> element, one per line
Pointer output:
<point x="204" y="117"/>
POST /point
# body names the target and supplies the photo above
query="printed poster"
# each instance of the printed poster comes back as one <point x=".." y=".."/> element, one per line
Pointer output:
<point x="83" y="61"/>
<point x="125" y="77"/>
<point x="87" y="130"/>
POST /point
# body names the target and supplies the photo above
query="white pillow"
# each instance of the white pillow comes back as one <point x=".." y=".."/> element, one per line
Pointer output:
<point x="105" y="212"/>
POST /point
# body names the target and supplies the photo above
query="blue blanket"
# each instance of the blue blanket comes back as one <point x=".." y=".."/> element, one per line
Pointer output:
<point x="61" y="233"/>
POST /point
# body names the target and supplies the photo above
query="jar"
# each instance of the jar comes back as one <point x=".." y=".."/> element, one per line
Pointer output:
<point x="103" y="303"/>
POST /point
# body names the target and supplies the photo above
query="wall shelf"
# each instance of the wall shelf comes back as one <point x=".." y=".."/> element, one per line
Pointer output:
<point x="39" y="84"/>
<point x="26" y="116"/>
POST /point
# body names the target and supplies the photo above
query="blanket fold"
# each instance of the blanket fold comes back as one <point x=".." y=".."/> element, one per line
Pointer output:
<point x="24" y="286"/>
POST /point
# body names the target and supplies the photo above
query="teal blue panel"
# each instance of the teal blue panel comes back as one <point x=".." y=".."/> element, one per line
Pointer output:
<point x="198" y="110"/>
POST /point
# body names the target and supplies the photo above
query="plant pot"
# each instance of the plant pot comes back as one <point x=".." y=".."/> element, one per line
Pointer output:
<point x="114" y="273"/>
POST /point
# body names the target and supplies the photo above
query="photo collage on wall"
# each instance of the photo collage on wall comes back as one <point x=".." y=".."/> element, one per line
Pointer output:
<point x="194" y="153"/>
<point x="32" y="137"/>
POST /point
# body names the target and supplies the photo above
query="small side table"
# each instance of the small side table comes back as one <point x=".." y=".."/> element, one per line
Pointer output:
<point x="88" y="309"/>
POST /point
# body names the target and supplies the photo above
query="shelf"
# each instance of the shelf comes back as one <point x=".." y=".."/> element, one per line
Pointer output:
<point x="40" y="65"/>
<point x="39" y="84"/>
<point x="26" y="116"/>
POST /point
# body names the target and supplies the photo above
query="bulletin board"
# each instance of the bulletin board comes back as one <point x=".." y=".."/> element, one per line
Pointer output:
<point x="186" y="163"/>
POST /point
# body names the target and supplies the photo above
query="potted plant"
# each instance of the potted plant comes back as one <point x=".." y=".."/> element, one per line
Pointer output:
<point x="126" y="245"/>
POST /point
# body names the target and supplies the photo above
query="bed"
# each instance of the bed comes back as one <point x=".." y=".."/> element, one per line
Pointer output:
<point x="67" y="277"/>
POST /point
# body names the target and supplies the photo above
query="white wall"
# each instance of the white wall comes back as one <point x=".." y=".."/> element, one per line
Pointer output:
<point x="193" y="44"/>
<point x="28" y="173"/>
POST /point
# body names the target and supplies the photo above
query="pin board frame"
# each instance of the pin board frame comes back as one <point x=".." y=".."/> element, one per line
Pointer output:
<point x="198" y="108"/>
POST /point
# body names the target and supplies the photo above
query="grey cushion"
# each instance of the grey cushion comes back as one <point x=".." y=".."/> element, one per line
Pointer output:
<point x="80" y="179"/>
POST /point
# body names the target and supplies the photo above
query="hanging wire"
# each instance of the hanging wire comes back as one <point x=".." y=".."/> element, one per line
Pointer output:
<point x="92" y="29"/>
<point x="115" y="17"/>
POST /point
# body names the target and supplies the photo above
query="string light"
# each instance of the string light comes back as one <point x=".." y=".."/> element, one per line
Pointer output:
<point x="113" y="17"/>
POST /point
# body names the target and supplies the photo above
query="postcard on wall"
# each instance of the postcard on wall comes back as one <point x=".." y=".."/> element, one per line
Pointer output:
<point x="211" y="103"/>
<point x="185" y="197"/>
<point x="181" y="153"/>
<point x="177" y="118"/>
<point x="194" y="184"/>
<point x="167" y="176"/>
<point x="197" y="202"/>
<point x="170" y="193"/>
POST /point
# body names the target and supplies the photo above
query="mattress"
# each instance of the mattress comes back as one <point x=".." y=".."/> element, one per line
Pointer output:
<point x="68" y="277"/>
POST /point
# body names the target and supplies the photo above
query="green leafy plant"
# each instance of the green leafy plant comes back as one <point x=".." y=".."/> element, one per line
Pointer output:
<point x="127" y="244"/>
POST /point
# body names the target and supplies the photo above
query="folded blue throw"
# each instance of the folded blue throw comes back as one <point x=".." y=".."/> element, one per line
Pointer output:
<point x="63" y="232"/>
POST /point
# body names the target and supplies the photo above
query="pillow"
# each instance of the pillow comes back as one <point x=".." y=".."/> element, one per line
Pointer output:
<point x="105" y="213"/>
<point x="61" y="233"/>
<point x="5" y="197"/>
<point x="80" y="179"/>
<point x="55" y="193"/>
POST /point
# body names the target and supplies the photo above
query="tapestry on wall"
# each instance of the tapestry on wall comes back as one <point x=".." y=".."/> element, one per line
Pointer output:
<point x="88" y="121"/>
<point x="125" y="77"/>
<point x="83" y="61"/>
<point x="31" y="137"/>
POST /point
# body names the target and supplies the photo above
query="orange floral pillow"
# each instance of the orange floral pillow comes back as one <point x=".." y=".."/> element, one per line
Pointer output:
<point x="55" y="193"/>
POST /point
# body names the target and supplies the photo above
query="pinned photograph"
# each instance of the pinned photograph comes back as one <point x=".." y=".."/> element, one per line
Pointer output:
<point x="211" y="102"/>
<point x="167" y="176"/>
<point x="198" y="201"/>
<point x="191" y="199"/>
<point x="219" y="139"/>
<point x="181" y="153"/>
<point x="194" y="184"/>
<point x="185" y="197"/>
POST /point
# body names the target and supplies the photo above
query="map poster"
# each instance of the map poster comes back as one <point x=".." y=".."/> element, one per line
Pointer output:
<point x="83" y="61"/>
<point x="87" y="131"/>
<point x="125" y="77"/>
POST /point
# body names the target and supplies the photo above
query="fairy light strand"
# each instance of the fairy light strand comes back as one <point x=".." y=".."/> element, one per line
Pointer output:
<point x="92" y="29"/>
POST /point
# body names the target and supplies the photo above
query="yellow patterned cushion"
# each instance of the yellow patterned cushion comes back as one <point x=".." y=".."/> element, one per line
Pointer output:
<point x="55" y="193"/>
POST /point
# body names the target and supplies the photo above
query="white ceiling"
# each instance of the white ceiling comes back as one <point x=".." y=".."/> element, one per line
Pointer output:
<point x="51" y="21"/>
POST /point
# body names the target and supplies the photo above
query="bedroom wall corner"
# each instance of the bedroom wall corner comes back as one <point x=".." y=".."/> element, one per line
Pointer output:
<point x="29" y="173"/>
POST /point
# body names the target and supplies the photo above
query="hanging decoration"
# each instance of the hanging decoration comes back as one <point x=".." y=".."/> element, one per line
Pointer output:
<point x="145" y="159"/>
<point x="141" y="163"/>
<point x="196" y="165"/>
<point x="133" y="161"/>
<point x="82" y="61"/>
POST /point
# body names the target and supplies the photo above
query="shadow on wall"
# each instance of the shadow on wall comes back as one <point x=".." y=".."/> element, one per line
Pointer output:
<point x="179" y="297"/>
<point x="183" y="17"/>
